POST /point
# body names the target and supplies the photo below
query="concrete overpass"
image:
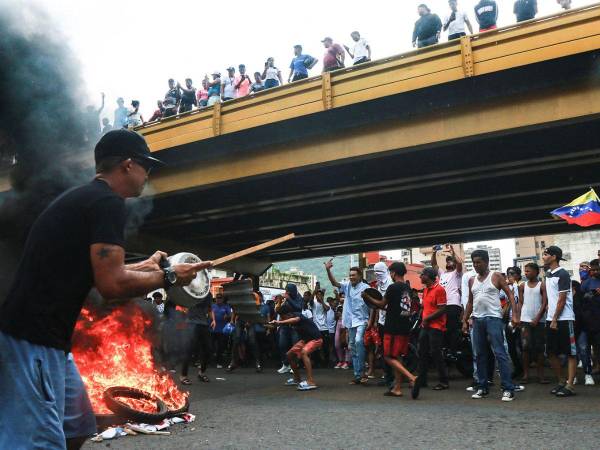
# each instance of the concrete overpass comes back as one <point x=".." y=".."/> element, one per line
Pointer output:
<point x="474" y="139"/>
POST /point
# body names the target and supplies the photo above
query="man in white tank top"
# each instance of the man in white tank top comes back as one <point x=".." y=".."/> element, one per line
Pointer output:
<point x="484" y="305"/>
<point x="533" y="316"/>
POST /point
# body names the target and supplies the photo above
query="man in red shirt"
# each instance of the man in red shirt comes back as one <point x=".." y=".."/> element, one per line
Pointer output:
<point x="334" y="55"/>
<point x="433" y="327"/>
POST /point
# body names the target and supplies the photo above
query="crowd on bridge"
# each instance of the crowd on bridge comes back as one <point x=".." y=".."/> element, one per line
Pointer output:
<point x="389" y="333"/>
<point x="239" y="82"/>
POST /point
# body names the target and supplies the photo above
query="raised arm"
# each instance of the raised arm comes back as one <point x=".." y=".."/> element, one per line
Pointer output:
<point x="332" y="280"/>
<point x="457" y="259"/>
<point x="102" y="105"/>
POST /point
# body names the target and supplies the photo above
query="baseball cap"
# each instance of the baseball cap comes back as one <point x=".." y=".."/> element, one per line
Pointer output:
<point x="125" y="143"/>
<point x="553" y="250"/>
<point x="231" y="68"/>
<point x="327" y="38"/>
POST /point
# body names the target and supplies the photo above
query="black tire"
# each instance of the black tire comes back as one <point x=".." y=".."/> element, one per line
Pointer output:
<point x="123" y="410"/>
<point x="183" y="409"/>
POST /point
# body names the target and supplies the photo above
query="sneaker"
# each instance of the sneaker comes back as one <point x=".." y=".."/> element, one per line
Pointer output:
<point x="219" y="366"/>
<point x="291" y="382"/>
<point x="472" y="387"/>
<point x="508" y="396"/>
<point x="284" y="369"/>
<point x="345" y="366"/>
<point x="589" y="380"/>
<point x="480" y="394"/>
<point x="304" y="386"/>
<point x="338" y="366"/>
<point x="519" y="388"/>
<point x="580" y="365"/>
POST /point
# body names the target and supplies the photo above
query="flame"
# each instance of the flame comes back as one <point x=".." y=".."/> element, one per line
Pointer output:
<point x="114" y="349"/>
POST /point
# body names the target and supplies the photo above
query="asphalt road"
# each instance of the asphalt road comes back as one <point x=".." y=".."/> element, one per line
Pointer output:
<point x="255" y="411"/>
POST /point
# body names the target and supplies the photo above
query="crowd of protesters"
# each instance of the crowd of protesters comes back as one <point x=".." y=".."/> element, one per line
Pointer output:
<point x="238" y="82"/>
<point x="388" y="333"/>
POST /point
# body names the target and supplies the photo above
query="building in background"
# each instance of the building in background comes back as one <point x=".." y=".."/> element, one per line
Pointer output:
<point x="530" y="249"/>
<point x="493" y="252"/>
<point x="278" y="279"/>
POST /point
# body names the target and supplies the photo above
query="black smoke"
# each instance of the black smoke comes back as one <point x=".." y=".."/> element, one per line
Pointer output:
<point x="42" y="125"/>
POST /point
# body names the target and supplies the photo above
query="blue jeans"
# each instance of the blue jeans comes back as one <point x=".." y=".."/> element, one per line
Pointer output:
<point x="491" y="329"/>
<point x="286" y="339"/>
<point x="356" y="342"/>
<point x="43" y="401"/>
<point x="270" y="83"/>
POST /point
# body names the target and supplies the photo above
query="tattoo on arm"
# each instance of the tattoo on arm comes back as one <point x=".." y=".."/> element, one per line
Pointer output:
<point x="103" y="252"/>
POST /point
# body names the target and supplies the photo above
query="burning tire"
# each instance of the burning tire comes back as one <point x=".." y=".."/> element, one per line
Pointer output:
<point x="176" y="412"/>
<point x="123" y="410"/>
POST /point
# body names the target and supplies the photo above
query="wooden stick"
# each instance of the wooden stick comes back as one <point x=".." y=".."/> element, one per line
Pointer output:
<point x="254" y="249"/>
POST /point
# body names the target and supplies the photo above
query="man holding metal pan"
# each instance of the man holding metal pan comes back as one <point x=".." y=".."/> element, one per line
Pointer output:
<point x="74" y="245"/>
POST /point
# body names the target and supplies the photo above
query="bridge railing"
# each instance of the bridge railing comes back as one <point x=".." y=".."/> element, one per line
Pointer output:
<point x="545" y="38"/>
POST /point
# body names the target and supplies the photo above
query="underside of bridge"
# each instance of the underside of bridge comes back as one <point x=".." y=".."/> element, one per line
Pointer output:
<point x="481" y="158"/>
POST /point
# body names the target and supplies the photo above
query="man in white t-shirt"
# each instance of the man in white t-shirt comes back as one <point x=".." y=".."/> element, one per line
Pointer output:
<point x="560" y="320"/>
<point x="319" y="316"/>
<point x="456" y="21"/>
<point x="228" y="85"/>
<point x="361" y="52"/>
<point x="450" y="280"/>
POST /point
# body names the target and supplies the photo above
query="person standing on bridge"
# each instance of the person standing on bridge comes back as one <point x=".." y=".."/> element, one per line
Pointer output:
<point x="484" y="304"/>
<point x="355" y="316"/>
<point x="525" y="9"/>
<point x="486" y="13"/>
<point x="334" y="55"/>
<point x="427" y="28"/>
<point x="300" y="65"/>
<point x="361" y="52"/>
<point x="455" y="23"/>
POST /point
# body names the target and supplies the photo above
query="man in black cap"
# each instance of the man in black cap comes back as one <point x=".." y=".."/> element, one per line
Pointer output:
<point x="75" y="244"/>
<point x="560" y="320"/>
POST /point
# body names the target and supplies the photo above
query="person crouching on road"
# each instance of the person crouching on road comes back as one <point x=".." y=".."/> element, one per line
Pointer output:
<point x="310" y="341"/>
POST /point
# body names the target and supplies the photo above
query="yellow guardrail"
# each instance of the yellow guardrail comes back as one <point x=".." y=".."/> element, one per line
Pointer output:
<point x="537" y="40"/>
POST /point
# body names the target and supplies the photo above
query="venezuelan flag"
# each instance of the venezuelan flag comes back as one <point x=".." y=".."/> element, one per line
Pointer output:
<point x="583" y="211"/>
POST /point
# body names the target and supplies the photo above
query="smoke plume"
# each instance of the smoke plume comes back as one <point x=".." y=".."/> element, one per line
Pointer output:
<point x="42" y="125"/>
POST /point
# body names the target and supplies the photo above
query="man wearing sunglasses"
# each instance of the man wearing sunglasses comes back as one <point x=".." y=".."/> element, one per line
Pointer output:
<point x="75" y="244"/>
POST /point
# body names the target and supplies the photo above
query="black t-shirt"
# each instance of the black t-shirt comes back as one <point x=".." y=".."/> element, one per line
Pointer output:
<point x="189" y="97"/>
<point x="398" y="297"/>
<point x="55" y="274"/>
<point x="306" y="328"/>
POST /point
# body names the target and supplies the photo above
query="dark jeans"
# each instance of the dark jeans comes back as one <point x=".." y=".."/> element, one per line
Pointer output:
<point x="513" y="339"/>
<point x="185" y="107"/>
<point x="430" y="350"/>
<point x="456" y="36"/>
<point x="453" y="327"/>
<point x="199" y="347"/>
<point x="286" y="339"/>
<point x="219" y="342"/>
<point x="299" y="76"/>
<point x="364" y="59"/>
<point x="427" y="42"/>
<point x="248" y="335"/>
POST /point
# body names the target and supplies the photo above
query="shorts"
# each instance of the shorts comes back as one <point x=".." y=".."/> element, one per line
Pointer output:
<point x="395" y="345"/>
<point x="562" y="340"/>
<point x="533" y="338"/>
<point x="43" y="400"/>
<point x="371" y="338"/>
<point x="308" y="347"/>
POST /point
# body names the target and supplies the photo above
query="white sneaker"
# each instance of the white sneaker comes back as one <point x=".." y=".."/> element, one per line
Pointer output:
<point x="519" y="388"/>
<point x="575" y="380"/>
<point x="589" y="380"/>
<point x="291" y="382"/>
<point x="471" y="389"/>
<point x="284" y="369"/>
<point x="580" y="365"/>
<point x="479" y="394"/>
<point x="508" y="396"/>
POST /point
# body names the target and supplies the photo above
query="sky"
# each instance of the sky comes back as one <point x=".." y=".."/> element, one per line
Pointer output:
<point x="131" y="48"/>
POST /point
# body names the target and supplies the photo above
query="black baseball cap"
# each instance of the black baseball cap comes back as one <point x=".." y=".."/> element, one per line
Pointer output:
<point x="553" y="250"/>
<point x="125" y="143"/>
